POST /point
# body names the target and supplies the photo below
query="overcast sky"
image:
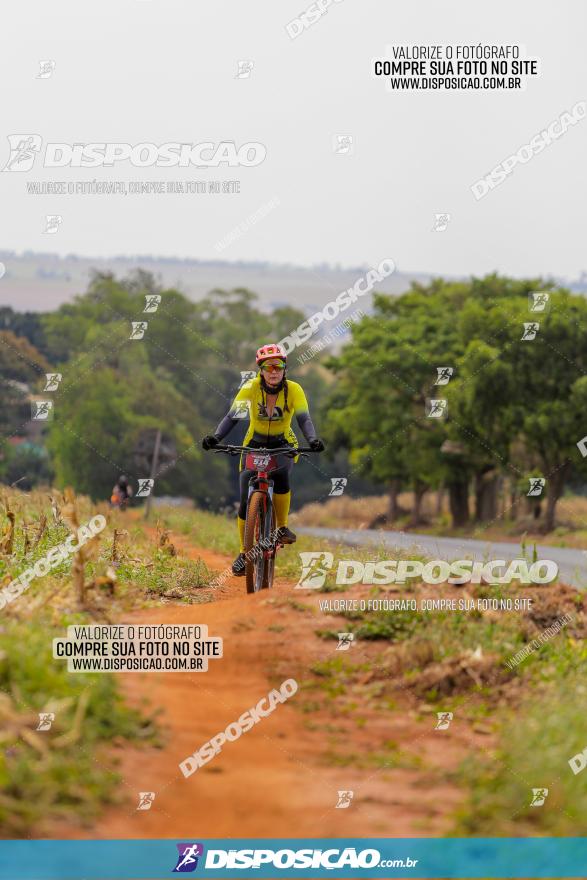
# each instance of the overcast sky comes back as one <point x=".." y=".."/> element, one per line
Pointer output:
<point x="165" y="70"/>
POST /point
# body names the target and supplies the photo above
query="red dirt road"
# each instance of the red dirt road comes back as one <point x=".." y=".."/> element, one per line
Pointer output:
<point x="281" y="778"/>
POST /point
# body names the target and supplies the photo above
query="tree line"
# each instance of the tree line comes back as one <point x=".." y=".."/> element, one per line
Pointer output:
<point x="513" y="406"/>
<point x="503" y="359"/>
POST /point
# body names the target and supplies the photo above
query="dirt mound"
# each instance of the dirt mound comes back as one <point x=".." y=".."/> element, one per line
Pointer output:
<point x="554" y="602"/>
<point x="457" y="675"/>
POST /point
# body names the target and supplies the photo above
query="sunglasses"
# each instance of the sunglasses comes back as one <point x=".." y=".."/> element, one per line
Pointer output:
<point x="273" y="368"/>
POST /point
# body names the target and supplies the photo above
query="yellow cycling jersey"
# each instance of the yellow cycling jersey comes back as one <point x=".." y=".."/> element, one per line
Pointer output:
<point x="251" y="403"/>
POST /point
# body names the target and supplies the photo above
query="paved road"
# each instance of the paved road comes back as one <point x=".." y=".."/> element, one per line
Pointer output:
<point x="572" y="564"/>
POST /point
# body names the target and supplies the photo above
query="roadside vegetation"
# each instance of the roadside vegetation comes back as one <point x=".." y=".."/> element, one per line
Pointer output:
<point x="426" y="662"/>
<point x="419" y="663"/>
<point x="68" y="769"/>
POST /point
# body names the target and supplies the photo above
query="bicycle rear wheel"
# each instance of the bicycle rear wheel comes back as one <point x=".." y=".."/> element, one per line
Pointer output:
<point x="255" y="562"/>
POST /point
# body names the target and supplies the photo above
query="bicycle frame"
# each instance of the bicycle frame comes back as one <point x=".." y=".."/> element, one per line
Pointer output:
<point x="263" y="461"/>
<point x="261" y="482"/>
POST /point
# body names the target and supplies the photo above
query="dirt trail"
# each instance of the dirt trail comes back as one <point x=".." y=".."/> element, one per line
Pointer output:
<point x="276" y="779"/>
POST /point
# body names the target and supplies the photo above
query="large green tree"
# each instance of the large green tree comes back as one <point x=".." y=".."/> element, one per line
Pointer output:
<point x="515" y="400"/>
<point x="386" y="380"/>
<point x="180" y="376"/>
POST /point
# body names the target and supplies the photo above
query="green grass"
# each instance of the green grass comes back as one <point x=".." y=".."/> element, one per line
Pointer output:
<point x="164" y="574"/>
<point x="15" y="565"/>
<point x="536" y="741"/>
<point x="60" y="776"/>
<point x="210" y="530"/>
<point x="219" y="533"/>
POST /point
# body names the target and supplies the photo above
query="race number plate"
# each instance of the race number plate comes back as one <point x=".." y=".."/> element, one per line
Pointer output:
<point x="261" y="462"/>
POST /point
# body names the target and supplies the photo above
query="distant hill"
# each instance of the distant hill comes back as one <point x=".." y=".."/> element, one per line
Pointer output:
<point x="41" y="282"/>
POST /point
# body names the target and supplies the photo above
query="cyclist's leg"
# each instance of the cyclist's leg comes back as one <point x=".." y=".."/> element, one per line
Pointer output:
<point x="243" y="479"/>
<point x="241" y="531"/>
<point x="281" y="503"/>
<point x="282" y="493"/>
<point x="238" y="566"/>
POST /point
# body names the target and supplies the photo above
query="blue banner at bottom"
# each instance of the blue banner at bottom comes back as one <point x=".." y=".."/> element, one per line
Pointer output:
<point x="302" y="858"/>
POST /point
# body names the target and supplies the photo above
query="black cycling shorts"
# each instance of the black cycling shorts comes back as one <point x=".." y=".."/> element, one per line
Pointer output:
<point x="280" y="477"/>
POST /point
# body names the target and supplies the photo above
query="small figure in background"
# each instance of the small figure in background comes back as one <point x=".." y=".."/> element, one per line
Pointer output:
<point x="121" y="493"/>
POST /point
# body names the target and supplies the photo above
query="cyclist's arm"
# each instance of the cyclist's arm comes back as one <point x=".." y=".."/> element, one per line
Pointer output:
<point x="303" y="419"/>
<point x="226" y="424"/>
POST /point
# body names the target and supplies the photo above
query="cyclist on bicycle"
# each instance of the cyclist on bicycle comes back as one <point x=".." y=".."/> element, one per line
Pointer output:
<point x="121" y="493"/>
<point x="269" y="401"/>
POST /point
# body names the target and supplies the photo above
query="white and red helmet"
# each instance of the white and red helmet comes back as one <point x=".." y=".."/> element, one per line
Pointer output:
<point x="272" y="350"/>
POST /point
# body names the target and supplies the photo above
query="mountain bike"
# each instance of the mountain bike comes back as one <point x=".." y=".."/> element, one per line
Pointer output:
<point x="261" y="538"/>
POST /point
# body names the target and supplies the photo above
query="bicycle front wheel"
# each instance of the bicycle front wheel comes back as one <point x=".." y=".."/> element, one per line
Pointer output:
<point x="255" y="561"/>
<point x="269" y="536"/>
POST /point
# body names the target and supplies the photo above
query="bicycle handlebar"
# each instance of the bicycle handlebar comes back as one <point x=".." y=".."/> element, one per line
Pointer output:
<point x="280" y="450"/>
